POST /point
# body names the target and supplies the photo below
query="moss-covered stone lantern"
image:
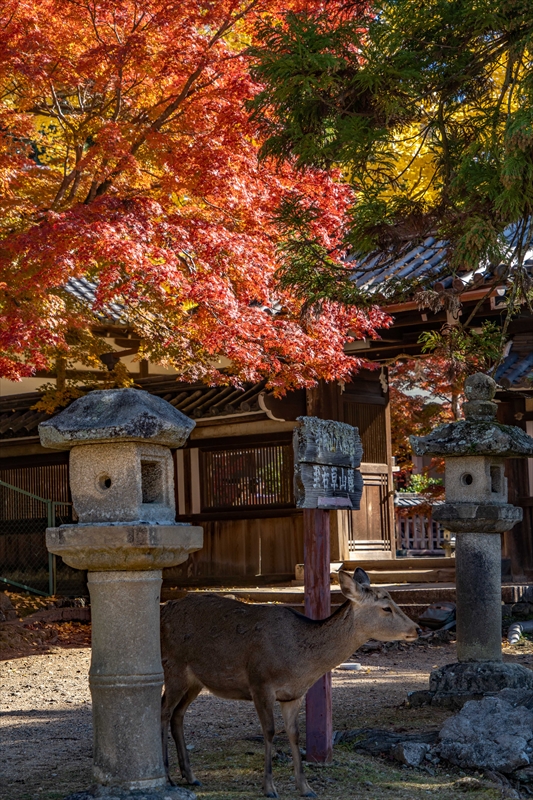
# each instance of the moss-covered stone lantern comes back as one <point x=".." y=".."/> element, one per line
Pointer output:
<point x="122" y="484"/>
<point x="477" y="511"/>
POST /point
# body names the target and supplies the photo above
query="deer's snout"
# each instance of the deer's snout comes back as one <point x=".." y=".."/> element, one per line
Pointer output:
<point x="413" y="633"/>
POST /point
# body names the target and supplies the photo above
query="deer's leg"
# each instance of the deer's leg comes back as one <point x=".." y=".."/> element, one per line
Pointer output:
<point x="165" y="719"/>
<point x="290" y="718"/>
<point x="264" y="705"/>
<point x="176" y="727"/>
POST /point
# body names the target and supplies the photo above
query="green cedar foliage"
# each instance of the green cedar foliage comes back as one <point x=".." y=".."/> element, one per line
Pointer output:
<point x="426" y="106"/>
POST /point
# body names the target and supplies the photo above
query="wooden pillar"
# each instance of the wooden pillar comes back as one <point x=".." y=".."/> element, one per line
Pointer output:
<point x="319" y="724"/>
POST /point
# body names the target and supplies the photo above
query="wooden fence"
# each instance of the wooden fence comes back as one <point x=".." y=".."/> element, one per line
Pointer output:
<point x="416" y="531"/>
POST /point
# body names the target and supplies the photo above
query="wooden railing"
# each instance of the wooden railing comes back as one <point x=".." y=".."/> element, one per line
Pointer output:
<point x="416" y="531"/>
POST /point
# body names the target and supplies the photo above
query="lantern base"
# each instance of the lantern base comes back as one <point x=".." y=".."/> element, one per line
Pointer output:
<point x="116" y="793"/>
<point x="453" y="685"/>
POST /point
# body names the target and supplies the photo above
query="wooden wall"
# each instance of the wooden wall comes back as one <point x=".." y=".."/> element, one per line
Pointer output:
<point x="244" y="549"/>
<point x="245" y="543"/>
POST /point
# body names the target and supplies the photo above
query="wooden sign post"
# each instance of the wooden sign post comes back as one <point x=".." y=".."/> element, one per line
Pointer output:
<point x="326" y="457"/>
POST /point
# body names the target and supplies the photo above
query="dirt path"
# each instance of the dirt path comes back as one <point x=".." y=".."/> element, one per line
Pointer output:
<point x="45" y="728"/>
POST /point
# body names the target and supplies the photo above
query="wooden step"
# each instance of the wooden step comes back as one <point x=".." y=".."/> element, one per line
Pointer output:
<point x="411" y="598"/>
<point x="411" y="576"/>
<point x="401" y="564"/>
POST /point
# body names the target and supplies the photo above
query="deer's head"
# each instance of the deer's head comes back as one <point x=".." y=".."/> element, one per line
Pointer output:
<point x="376" y="612"/>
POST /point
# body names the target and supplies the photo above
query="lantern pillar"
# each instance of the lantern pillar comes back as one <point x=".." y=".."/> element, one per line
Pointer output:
<point x="122" y="484"/>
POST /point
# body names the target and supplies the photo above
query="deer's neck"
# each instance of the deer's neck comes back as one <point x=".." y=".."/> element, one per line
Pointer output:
<point x="332" y="640"/>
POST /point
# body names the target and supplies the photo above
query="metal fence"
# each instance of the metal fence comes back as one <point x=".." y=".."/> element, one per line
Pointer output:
<point x="25" y="562"/>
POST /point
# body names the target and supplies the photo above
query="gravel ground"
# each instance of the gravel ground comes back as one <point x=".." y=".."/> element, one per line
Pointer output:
<point x="46" y="716"/>
<point x="45" y="727"/>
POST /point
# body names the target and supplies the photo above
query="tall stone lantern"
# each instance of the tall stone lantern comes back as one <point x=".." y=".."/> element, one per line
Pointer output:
<point x="122" y="484"/>
<point x="477" y="511"/>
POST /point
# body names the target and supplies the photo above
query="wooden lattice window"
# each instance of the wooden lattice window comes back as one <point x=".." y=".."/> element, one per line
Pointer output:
<point x="370" y="419"/>
<point x="256" y="476"/>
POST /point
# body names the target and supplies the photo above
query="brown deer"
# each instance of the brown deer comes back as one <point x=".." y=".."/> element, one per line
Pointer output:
<point x="263" y="654"/>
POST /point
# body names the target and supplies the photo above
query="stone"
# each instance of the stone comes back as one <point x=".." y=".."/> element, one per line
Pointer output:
<point x="524" y="775"/>
<point x="480" y="387"/>
<point x="478" y="590"/>
<point x="488" y="734"/>
<point x="375" y="741"/>
<point x="419" y="698"/>
<point x="412" y="754"/>
<point x="115" y="793"/>
<point x="477" y="517"/>
<point x="126" y="678"/>
<point x="116" y="415"/>
<point x="455" y="684"/>
<point x="477" y="511"/>
<point x="124" y="547"/>
<point x="7" y="609"/>
<point x="122" y="485"/>
<point x="521" y="610"/>
<point x="474" y="436"/>
<point x="124" y="481"/>
<point x="479" y="434"/>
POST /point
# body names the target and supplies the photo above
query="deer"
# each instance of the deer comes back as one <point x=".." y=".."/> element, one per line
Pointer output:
<point x="264" y="654"/>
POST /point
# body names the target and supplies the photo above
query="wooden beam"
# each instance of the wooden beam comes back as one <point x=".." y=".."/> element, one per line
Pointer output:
<point x="319" y="721"/>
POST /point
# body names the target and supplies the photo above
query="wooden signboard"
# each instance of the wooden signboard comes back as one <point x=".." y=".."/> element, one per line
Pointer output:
<point x="327" y="455"/>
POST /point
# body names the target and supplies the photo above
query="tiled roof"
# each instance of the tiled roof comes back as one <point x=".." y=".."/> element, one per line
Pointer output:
<point x="18" y="419"/>
<point x="85" y="290"/>
<point x="426" y="263"/>
<point x="516" y="371"/>
<point x="409" y="499"/>
<point x="427" y="258"/>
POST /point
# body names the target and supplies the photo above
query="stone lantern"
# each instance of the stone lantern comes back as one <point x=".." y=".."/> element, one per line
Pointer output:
<point x="477" y="511"/>
<point x="122" y="484"/>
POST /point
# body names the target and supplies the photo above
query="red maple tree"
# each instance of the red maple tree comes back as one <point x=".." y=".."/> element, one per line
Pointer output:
<point x="127" y="156"/>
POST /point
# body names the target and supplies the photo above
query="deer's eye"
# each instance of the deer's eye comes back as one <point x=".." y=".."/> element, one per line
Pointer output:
<point x="387" y="609"/>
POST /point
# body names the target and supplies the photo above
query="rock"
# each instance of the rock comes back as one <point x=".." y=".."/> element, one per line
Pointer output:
<point x="488" y="734"/>
<point x="7" y="610"/>
<point x="419" y="698"/>
<point x="521" y="610"/>
<point x="455" y="684"/>
<point x="375" y="741"/>
<point x="517" y="697"/>
<point x="524" y="775"/>
<point x="411" y="754"/>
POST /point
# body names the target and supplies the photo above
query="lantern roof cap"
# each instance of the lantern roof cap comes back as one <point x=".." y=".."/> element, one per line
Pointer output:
<point x="479" y="434"/>
<point x="116" y="415"/>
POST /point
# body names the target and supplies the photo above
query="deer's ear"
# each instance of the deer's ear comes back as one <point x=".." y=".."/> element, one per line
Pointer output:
<point x="361" y="577"/>
<point x="350" y="589"/>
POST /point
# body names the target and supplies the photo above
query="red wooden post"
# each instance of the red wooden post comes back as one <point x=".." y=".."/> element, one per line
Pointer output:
<point x="319" y="723"/>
